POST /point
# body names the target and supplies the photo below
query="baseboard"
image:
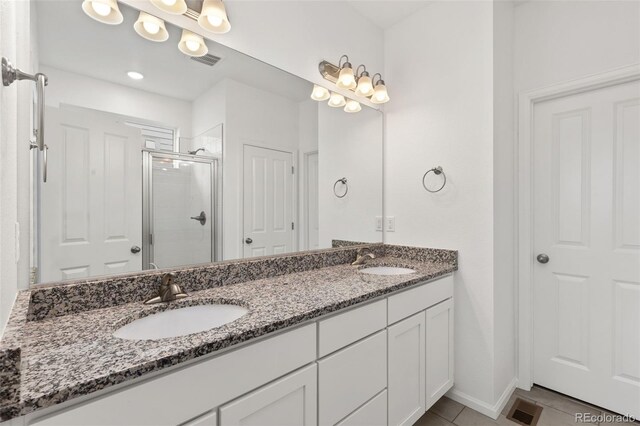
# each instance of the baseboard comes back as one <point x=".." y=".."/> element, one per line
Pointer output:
<point x="492" y="411"/>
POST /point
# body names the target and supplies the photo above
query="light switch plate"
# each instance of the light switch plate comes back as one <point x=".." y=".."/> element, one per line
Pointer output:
<point x="390" y="224"/>
<point x="379" y="223"/>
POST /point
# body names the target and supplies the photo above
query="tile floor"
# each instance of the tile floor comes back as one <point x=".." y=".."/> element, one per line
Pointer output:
<point x="558" y="410"/>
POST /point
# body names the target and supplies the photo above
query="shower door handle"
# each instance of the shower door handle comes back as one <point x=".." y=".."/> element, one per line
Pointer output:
<point x="202" y="218"/>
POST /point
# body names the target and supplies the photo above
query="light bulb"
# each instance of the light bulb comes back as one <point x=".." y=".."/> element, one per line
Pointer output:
<point x="169" y="2"/>
<point x="336" y="100"/>
<point x="101" y="9"/>
<point x="151" y="27"/>
<point x="365" y="88"/>
<point x="319" y="93"/>
<point x="192" y="45"/>
<point x="352" y="106"/>
<point x="346" y="80"/>
<point x="380" y="95"/>
<point x="214" y="20"/>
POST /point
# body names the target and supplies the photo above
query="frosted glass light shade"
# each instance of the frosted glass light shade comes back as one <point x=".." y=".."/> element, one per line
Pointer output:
<point x="346" y="79"/>
<point x="336" y="100"/>
<point x="105" y="11"/>
<point x="213" y="17"/>
<point x="319" y="93"/>
<point x="365" y="87"/>
<point x="380" y="95"/>
<point x="152" y="28"/>
<point x="175" y="7"/>
<point x="192" y="44"/>
<point x="352" y="106"/>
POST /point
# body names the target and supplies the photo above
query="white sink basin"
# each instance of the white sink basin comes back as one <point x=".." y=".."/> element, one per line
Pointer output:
<point x="387" y="270"/>
<point x="180" y="322"/>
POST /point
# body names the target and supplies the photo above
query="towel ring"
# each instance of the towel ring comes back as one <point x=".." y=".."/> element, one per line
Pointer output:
<point x="438" y="171"/>
<point x="346" y="190"/>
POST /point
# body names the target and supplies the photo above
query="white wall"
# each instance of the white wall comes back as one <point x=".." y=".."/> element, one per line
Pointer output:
<point x="16" y="43"/>
<point x="80" y="90"/>
<point x="562" y="40"/>
<point x="439" y="70"/>
<point x="349" y="145"/>
<point x="294" y="35"/>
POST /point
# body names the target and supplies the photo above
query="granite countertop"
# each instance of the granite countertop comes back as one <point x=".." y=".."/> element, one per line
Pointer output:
<point x="68" y="356"/>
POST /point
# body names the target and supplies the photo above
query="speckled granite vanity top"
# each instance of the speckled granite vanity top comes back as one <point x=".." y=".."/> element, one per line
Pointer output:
<point x="68" y="353"/>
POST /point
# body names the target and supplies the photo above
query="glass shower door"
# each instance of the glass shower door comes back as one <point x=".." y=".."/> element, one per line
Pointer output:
<point x="180" y="210"/>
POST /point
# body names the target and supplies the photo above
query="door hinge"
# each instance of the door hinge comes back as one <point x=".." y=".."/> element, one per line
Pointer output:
<point x="150" y="238"/>
<point x="293" y="170"/>
<point x="293" y="226"/>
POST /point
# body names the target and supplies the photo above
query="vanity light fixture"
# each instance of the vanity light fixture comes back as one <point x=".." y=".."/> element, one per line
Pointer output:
<point x="336" y="100"/>
<point x="192" y="44"/>
<point x="346" y="79"/>
<point x="380" y="95"/>
<point x="175" y="7"/>
<point x="105" y="11"/>
<point x="213" y="17"/>
<point x="319" y="93"/>
<point x="352" y="106"/>
<point x="365" y="86"/>
<point x="135" y="75"/>
<point x="152" y="28"/>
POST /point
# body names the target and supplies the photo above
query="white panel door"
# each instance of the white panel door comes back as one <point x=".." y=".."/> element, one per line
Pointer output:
<point x="587" y="220"/>
<point x="290" y="401"/>
<point x="406" y="370"/>
<point x="91" y="204"/>
<point x="268" y="201"/>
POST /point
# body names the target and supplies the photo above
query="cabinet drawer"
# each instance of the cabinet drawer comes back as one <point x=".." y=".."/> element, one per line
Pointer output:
<point x="373" y="413"/>
<point x="350" y="377"/>
<point x="420" y="298"/>
<point x="343" y="329"/>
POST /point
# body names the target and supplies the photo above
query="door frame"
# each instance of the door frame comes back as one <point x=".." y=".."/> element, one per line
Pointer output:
<point x="524" y="194"/>
<point x="147" y="200"/>
<point x="304" y="220"/>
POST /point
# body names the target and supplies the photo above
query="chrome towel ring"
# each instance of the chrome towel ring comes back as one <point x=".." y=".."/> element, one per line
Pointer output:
<point x="346" y="187"/>
<point x="437" y="171"/>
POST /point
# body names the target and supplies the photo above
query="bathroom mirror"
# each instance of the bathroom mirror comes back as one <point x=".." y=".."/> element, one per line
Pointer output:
<point x="158" y="159"/>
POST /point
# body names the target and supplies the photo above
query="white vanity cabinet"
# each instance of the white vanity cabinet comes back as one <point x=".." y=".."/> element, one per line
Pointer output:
<point x="420" y="350"/>
<point x="380" y="363"/>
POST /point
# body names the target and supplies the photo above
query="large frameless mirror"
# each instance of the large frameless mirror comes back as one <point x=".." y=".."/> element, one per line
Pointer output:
<point x="158" y="159"/>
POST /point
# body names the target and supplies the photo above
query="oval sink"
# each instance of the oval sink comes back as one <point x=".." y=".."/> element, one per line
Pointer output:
<point x="387" y="270"/>
<point x="180" y="322"/>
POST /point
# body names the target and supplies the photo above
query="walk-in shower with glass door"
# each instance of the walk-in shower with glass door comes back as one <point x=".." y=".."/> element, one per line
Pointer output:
<point x="179" y="209"/>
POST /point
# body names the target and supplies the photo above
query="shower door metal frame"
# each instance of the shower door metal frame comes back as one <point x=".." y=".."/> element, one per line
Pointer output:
<point x="147" y="200"/>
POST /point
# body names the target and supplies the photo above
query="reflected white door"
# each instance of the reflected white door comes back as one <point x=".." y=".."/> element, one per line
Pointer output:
<point x="311" y="206"/>
<point x="91" y="205"/>
<point x="268" y="201"/>
<point x="587" y="220"/>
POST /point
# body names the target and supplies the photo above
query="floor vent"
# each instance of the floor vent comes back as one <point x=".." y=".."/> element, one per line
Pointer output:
<point x="524" y="412"/>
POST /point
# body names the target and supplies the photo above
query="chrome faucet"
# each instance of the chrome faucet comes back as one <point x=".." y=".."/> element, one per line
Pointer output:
<point x="362" y="256"/>
<point x="168" y="290"/>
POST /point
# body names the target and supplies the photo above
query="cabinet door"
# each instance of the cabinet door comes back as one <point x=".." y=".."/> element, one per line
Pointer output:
<point x="439" y="350"/>
<point x="288" y="401"/>
<point x="208" y="419"/>
<point x="406" y="386"/>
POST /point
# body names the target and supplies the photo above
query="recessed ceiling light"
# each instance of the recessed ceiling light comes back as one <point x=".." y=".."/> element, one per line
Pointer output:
<point x="135" y="75"/>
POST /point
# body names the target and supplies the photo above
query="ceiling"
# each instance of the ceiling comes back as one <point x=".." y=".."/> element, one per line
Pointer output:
<point x="71" y="41"/>
<point x="387" y="13"/>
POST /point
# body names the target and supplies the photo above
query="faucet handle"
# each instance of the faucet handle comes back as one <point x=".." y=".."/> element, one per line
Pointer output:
<point x="167" y="279"/>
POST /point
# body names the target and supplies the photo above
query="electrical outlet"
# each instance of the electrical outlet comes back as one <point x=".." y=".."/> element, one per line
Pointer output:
<point x="379" y="223"/>
<point x="390" y="224"/>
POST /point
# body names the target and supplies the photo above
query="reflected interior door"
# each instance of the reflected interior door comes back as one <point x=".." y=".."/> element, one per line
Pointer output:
<point x="268" y="201"/>
<point x="587" y="221"/>
<point x="91" y="205"/>
<point x="182" y="210"/>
